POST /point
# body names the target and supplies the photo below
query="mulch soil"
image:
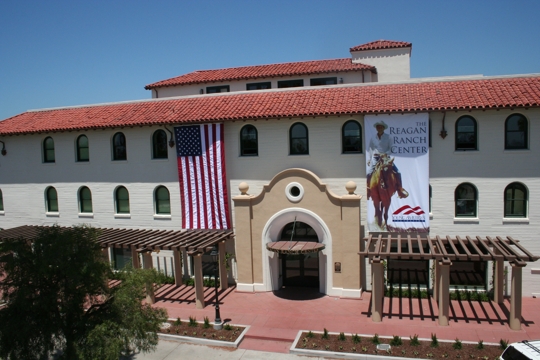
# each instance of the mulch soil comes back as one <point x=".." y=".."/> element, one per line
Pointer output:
<point x="445" y="350"/>
<point x="199" y="331"/>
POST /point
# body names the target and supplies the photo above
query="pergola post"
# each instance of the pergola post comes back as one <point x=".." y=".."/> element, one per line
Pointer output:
<point x="177" y="267"/>
<point x="199" y="286"/>
<point x="147" y="259"/>
<point x="135" y="258"/>
<point x="436" y="284"/>
<point x="223" y="280"/>
<point x="515" y="298"/>
<point x="105" y="253"/>
<point x="443" y="274"/>
<point x="377" y="290"/>
<point x="498" y="281"/>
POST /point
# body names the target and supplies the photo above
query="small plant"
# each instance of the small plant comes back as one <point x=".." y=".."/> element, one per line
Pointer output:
<point x="414" y="340"/>
<point x="403" y="352"/>
<point x="327" y="347"/>
<point x="430" y="355"/>
<point x="472" y="356"/>
<point x="434" y="341"/>
<point x="206" y="324"/>
<point x="389" y="351"/>
<point x="480" y="345"/>
<point x="445" y="355"/>
<point x="457" y="344"/>
<point x="356" y="339"/>
<point x="396" y="341"/>
<point x="227" y="327"/>
<point x="458" y="356"/>
<point x="192" y="321"/>
<point x="503" y="344"/>
<point x="341" y="336"/>
<point x="204" y="334"/>
<point x="364" y="348"/>
<point x="340" y="347"/>
<point x="353" y="349"/>
<point x="375" y="339"/>
<point x="416" y="353"/>
<point x="325" y="334"/>
<point x="313" y="345"/>
<point x="310" y="334"/>
<point x="177" y="322"/>
<point x="194" y="333"/>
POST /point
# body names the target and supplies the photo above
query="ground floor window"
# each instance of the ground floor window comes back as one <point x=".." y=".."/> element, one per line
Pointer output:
<point x="414" y="273"/>
<point x="121" y="257"/>
<point x="468" y="273"/>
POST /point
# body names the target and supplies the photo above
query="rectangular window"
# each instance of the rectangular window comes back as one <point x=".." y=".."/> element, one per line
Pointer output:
<point x="290" y="83"/>
<point x="217" y="89"/>
<point x="121" y="257"/>
<point x="259" y="86"/>
<point x="323" y="81"/>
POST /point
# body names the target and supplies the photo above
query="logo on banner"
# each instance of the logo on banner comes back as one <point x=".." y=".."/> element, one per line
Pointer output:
<point x="407" y="213"/>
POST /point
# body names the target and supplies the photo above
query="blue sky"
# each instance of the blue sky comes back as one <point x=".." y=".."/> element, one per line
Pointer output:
<point x="61" y="53"/>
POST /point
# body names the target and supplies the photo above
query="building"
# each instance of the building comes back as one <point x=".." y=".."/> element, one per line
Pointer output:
<point x="295" y="153"/>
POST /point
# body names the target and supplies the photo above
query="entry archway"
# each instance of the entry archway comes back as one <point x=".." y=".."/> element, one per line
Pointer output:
<point x="272" y="232"/>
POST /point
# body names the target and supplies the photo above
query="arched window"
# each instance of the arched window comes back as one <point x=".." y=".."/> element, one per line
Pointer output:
<point x="298" y="139"/>
<point x="516" y="132"/>
<point x="48" y="150"/>
<point x="466" y="134"/>
<point x="159" y="145"/>
<point x="83" y="153"/>
<point x="85" y="200"/>
<point x="119" y="146"/>
<point x="162" y="200"/>
<point x="302" y="232"/>
<point x="122" y="200"/>
<point x="51" y="199"/>
<point x="1" y="201"/>
<point x="515" y="200"/>
<point x="249" y="142"/>
<point x="466" y="200"/>
<point x="351" y="137"/>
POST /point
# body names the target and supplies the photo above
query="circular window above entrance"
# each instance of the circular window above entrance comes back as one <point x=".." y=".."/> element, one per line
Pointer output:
<point x="294" y="192"/>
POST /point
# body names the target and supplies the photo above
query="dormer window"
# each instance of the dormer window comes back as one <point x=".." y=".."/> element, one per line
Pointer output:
<point x="290" y="83"/>
<point x="323" y="81"/>
<point x="217" y="89"/>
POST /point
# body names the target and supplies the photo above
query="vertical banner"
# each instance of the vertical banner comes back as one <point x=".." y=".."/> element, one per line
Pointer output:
<point x="397" y="172"/>
<point x="201" y="173"/>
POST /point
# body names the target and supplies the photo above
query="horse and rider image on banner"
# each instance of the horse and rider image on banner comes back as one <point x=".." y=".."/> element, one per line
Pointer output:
<point x="397" y="172"/>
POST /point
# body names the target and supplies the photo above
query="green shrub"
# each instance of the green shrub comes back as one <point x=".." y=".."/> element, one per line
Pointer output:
<point x="206" y="324"/>
<point x="192" y="321"/>
<point x="356" y="339"/>
<point x="227" y="327"/>
<point x="309" y="334"/>
<point x="434" y="341"/>
<point x="325" y="334"/>
<point x="503" y="344"/>
<point x="177" y="322"/>
<point x="375" y="339"/>
<point x="457" y="344"/>
<point x="341" y="336"/>
<point x="414" y="340"/>
<point x="480" y="345"/>
<point x="396" y="341"/>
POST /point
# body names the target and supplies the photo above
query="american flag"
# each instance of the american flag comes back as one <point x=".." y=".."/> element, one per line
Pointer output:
<point x="201" y="172"/>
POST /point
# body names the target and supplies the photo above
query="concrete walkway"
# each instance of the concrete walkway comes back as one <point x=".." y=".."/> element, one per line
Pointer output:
<point x="276" y="317"/>
<point x="171" y="350"/>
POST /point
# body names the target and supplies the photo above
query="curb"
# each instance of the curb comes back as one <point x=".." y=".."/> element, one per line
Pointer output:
<point x="210" y="342"/>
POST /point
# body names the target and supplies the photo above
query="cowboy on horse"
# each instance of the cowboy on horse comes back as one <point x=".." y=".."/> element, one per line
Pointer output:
<point x="380" y="147"/>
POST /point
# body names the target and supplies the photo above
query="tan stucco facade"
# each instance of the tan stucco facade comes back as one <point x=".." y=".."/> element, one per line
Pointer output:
<point x="260" y="218"/>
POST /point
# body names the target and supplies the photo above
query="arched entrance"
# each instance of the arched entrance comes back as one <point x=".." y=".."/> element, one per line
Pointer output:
<point x="301" y="269"/>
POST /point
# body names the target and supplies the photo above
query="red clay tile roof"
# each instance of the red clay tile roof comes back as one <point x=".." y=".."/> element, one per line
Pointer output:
<point x="263" y="71"/>
<point x="381" y="44"/>
<point x="496" y="93"/>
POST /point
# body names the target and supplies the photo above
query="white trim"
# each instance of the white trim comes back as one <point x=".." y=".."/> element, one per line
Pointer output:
<point x="271" y="230"/>
<point x="290" y="196"/>
<point x="52" y="214"/>
<point x="162" y="217"/>
<point x="122" y="216"/>
<point x="515" y="221"/>
<point x="464" y="220"/>
<point x="86" y="215"/>
<point x="245" y="287"/>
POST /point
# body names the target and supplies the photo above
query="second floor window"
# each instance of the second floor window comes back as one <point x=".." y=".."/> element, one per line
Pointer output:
<point x="1" y="201"/>
<point x="51" y="198"/>
<point x="122" y="200"/>
<point x="248" y="141"/>
<point x="351" y="137"/>
<point x="217" y="89"/>
<point x="83" y="153"/>
<point x="159" y="145"/>
<point x="323" y="81"/>
<point x="85" y="200"/>
<point x="466" y="134"/>
<point x="119" y="146"/>
<point x="259" y="86"/>
<point x="516" y="132"/>
<point x="48" y="150"/>
<point x="290" y="83"/>
<point x="298" y="140"/>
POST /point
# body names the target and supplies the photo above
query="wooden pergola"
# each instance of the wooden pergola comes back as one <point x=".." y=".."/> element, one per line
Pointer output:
<point x="144" y="242"/>
<point x="444" y="250"/>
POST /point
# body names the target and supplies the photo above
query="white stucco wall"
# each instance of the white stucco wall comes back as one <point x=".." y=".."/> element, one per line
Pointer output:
<point x="352" y="77"/>
<point x="24" y="178"/>
<point x="391" y="64"/>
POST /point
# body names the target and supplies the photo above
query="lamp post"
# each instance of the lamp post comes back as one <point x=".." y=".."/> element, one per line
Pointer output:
<point x="218" y="325"/>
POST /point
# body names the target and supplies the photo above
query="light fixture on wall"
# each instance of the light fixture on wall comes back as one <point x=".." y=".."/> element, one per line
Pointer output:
<point x="341" y="80"/>
<point x="3" y="151"/>
<point x="171" y="141"/>
<point x="443" y="132"/>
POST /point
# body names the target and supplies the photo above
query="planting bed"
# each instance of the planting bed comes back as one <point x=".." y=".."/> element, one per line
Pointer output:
<point x="445" y="350"/>
<point x="195" y="329"/>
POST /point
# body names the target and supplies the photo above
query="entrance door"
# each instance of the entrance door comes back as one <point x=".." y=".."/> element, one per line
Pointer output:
<point x="299" y="270"/>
